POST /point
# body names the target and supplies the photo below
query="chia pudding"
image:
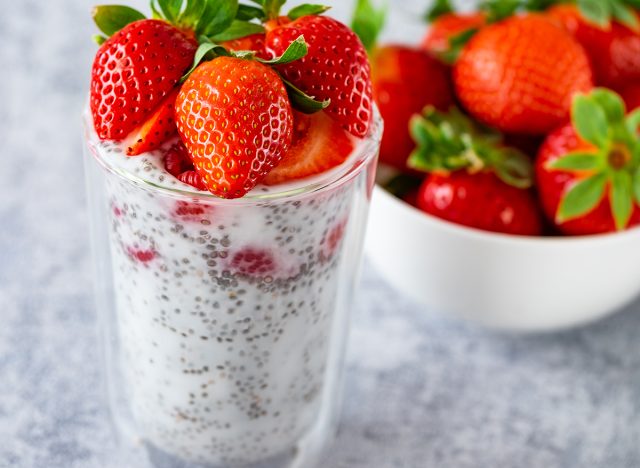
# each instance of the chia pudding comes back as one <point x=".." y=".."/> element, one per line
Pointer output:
<point x="225" y="310"/>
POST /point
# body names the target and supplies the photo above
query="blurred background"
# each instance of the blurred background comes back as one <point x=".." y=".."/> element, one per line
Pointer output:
<point x="423" y="391"/>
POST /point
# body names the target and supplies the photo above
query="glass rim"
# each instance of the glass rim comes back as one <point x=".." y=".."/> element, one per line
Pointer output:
<point x="367" y="149"/>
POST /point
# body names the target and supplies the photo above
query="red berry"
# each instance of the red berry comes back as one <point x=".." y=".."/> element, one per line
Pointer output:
<point x="614" y="51"/>
<point x="447" y="27"/>
<point x="520" y="75"/>
<point x="157" y="129"/>
<point x="554" y="184"/>
<point x="235" y="119"/>
<point x="631" y="96"/>
<point x="319" y="144"/>
<point x="481" y="201"/>
<point x="133" y="72"/>
<point x="253" y="262"/>
<point x="335" y="68"/>
<point x="405" y="80"/>
<point x="178" y="163"/>
<point x="141" y="255"/>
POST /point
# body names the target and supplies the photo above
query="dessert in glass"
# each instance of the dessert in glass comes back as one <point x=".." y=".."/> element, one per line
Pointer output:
<point x="229" y="184"/>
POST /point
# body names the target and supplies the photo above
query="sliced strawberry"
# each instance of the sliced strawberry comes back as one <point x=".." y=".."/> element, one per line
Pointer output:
<point x="178" y="163"/>
<point x="253" y="261"/>
<point x="319" y="144"/>
<point x="141" y="255"/>
<point x="157" y="129"/>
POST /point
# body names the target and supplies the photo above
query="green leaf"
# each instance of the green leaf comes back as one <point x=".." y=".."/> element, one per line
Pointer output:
<point x="306" y="10"/>
<point x="624" y="15"/>
<point x="302" y="101"/>
<point x="368" y="21"/>
<point x="112" y="18"/>
<point x="611" y="102"/>
<point x="621" y="198"/>
<point x="237" y="30"/>
<point x="636" y="186"/>
<point x="204" y="49"/>
<point x="296" y="50"/>
<point x="248" y="13"/>
<point x="98" y="39"/>
<point x="498" y="10"/>
<point x="577" y="162"/>
<point x="456" y="44"/>
<point x="590" y="120"/>
<point x="633" y="121"/>
<point x="217" y="16"/>
<point x="170" y="9"/>
<point x="192" y="13"/>
<point x="439" y="8"/>
<point x="582" y="198"/>
<point x="596" y="11"/>
<point x="513" y="168"/>
<point x="272" y="8"/>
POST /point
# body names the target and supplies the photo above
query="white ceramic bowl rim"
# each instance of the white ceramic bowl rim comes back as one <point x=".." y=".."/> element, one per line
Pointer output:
<point x="495" y="237"/>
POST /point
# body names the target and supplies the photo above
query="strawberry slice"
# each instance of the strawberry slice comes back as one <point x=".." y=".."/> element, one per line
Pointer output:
<point x="319" y="144"/>
<point x="157" y="129"/>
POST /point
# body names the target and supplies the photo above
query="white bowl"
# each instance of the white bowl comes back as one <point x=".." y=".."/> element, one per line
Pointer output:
<point x="505" y="282"/>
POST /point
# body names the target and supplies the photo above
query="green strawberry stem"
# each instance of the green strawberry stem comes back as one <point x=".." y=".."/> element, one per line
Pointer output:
<point x="451" y="141"/>
<point x="209" y="50"/>
<point x="602" y="12"/>
<point x="270" y="10"/>
<point x="368" y="22"/>
<point x="614" y="162"/>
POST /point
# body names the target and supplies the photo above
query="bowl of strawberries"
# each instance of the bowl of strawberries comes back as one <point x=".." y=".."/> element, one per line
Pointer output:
<point x="509" y="182"/>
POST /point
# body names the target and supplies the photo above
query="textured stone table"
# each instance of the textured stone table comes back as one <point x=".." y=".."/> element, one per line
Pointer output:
<point x="423" y="391"/>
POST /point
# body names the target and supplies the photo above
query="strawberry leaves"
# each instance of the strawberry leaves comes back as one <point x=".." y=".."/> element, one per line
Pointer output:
<point x="368" y="21"/>
<point x="112" y="18"/>
<point x="602" y="12"/>
<point x="450" y="142"/>
<point x="599" y="119"/>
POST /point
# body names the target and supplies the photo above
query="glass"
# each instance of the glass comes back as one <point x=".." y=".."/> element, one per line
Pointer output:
<point x="223" y="322"/>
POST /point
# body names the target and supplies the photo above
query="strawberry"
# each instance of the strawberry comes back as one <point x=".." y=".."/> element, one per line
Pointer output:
<point x="399" y="76"/>
<point x="474" y="179"/>
<point x="133" y="72"/>
<point x="520" y="74"/>
<point x="613" y="47"/>
<point x="336" y="68"/>
<point x="319" y="144"/>
<point x="235" y="119"/>
<point x="156" y="130"/>
<point x="143" y="256"/>
<point x="481" y="201"/>
<point x="178" y="163"/>
<point x="448" y="28"/>
<point x="631" y="96"/>
<point x="588" y="171"/>
<point x="253" y="261"/>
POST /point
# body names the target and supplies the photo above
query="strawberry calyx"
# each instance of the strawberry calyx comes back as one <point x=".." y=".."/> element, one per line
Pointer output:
<point x="301" y="101"/>
<point x="448" y="142"/>
<point x="602" y="13"/>
<point x="268" y="10"/>
<point x="217" y="20"/>
<point x="611" y="163"/>
<point x="368" y="22"/>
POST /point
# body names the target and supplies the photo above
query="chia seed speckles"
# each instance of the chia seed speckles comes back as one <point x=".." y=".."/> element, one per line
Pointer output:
<point x="224" y="316"/>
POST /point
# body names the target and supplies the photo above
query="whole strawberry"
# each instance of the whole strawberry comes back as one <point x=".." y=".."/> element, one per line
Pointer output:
<point x="473" y="179"/>
<point x="588" y="172"/>
<point x="235" y="118"/>
<point x="133" y="72"/>
<point x="519" y="75"/>
<point x="336" y="68"/>
<point x="612" y="43"/>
